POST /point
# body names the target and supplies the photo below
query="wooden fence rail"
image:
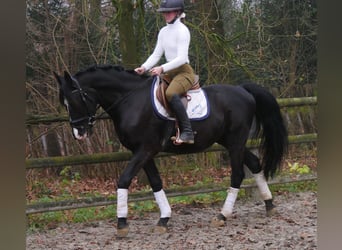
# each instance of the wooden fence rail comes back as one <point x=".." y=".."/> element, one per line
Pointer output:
<point x="58" y="161"/>
<point x="283" y="102"/>
<point x="125" y="156"/>
<point x="143" y="196"/>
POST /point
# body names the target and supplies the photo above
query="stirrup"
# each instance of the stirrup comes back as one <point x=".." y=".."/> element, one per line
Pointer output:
<point x="178" y="141"/>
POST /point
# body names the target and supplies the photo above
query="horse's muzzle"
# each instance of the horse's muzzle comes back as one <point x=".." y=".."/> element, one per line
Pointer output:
<point x="80" y="133"/>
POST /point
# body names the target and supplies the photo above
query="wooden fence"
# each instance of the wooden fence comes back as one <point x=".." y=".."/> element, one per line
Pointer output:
<point x="125" y="156"/>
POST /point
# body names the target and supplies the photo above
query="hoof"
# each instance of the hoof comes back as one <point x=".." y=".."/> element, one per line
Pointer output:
<point x="122" y="232"/>
<point x="218" y="221"/>
<point x="160" y="229"/>
<point x="270" y="208"/>
<point x="122" y="228"/>
<point x="161" y="226"/>
<point x="271" y="212"/>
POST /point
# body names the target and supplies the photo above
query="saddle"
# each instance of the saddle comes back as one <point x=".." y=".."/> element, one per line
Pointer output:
<point x="164" y="83"/>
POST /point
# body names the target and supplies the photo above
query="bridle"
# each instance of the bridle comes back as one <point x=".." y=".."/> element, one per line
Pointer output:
<point x="84" y="97"/>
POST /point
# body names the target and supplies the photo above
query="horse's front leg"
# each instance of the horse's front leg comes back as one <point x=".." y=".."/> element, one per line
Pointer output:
<point x="138" y="161"/>
<point x="122" y="212"/>
<point x="159" y="194"/>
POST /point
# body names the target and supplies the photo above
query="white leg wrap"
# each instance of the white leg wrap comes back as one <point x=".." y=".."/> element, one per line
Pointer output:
<point x="165" y="209"/>
<point x="122" y="207"/>
<point x="227" y="209"/>
<point x="262" y="185"/>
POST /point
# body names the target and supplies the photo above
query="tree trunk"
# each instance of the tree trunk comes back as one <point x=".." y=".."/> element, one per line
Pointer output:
<point x="93" y="29"/>
<point x="127" y="41"/>
<point x="212" y="24"/>
<point x="293" y="65"/>
<point x="225" y="9"/>
<point x="69" y="37"/>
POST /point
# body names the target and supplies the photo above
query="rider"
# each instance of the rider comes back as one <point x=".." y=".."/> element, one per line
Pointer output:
<point x="173" y="41"/>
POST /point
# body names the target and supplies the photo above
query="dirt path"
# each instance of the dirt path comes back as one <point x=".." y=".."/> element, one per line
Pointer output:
<point x="295" y="227"/>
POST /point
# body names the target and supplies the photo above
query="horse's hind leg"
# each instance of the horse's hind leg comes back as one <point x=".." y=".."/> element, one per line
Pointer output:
<point x="253" y="163"/>
<point x="236" y="159"/>
<point x="159" y="194"/>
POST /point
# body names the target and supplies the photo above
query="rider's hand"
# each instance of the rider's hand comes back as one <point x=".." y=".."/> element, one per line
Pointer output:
<point x="140" y="70"/>
<point x="156" y="70"/>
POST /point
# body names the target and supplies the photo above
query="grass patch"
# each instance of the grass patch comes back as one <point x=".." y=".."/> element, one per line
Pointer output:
<point x="49" y="220"/>
<point x="295" y="187"/>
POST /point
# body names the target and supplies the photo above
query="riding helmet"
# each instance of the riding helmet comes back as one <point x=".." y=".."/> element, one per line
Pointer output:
<point x="171" y="5"/>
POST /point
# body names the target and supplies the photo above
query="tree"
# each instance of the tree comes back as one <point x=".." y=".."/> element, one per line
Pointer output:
<point x="127" y="39"/>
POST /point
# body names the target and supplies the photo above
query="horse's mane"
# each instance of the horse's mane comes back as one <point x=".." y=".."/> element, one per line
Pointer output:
<point x="105" y="67"/>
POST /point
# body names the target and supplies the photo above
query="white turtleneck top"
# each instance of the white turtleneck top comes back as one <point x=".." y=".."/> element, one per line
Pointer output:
<point x="173" y="41"/>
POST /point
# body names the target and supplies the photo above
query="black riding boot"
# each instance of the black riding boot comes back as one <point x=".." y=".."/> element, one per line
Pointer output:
<point x="186" y="134"/>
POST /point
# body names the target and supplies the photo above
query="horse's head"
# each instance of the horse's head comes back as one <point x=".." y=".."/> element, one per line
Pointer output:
<point x="80" y="103"/>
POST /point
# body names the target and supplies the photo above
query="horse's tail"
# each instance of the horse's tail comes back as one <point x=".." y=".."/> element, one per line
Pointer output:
<point x="270" y="127"/>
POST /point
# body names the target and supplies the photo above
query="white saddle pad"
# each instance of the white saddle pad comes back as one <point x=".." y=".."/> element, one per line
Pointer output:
<point x="198" y="106"/>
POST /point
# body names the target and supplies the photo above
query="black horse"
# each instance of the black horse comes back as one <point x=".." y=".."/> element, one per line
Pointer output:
<point x="125" y="96"/>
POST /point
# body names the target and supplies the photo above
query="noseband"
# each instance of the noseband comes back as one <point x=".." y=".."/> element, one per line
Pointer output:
<point x="84" y="96"/>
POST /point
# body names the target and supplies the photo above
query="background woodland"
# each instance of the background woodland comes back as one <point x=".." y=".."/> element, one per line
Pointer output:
<point x="271" y="42"/>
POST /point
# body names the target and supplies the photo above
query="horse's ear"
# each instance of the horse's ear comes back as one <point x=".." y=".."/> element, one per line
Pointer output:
<point x="55" y="74"/>
<point x="67" y="76"/>
<point x="69" y="80"/>
<point x="60" y="81"/>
